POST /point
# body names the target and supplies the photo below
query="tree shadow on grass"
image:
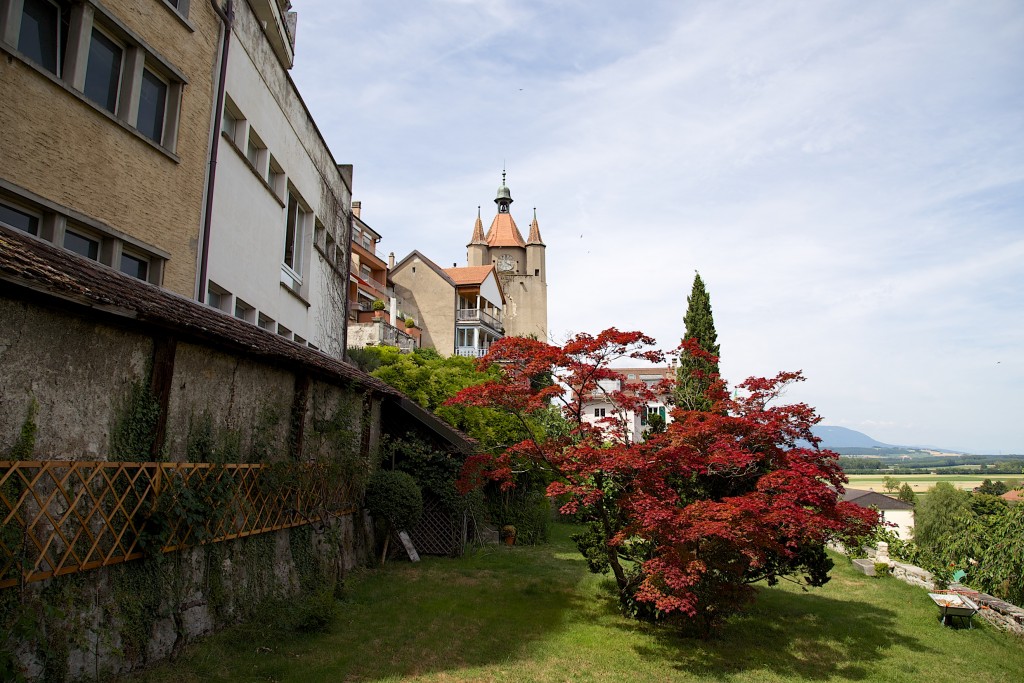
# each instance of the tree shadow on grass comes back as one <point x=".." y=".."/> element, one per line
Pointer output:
<point x="790" y="635"/>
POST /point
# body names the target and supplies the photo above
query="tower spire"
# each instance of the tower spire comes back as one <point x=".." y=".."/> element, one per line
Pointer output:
<point x="534" y="230"/>
<point x="478" y="230"/>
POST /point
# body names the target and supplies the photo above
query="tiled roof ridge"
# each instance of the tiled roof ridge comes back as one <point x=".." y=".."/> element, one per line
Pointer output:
<point x="504" y="232"/>
<point x="41" y="267"/>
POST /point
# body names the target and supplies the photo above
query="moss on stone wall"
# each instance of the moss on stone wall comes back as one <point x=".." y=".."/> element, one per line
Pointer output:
<point x="131" y="439"/>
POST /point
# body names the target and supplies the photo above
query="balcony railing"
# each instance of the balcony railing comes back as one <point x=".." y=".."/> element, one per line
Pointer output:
<point x="471" y="351"/>
<point x="478" y="315"/>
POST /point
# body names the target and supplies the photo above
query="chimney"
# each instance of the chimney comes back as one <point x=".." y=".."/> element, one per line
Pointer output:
<point x="391" y="261"/>
<point x="357" y="208"/>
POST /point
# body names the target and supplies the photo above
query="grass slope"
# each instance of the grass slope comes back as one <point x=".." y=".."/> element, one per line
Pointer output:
<point x="536" y="614"/>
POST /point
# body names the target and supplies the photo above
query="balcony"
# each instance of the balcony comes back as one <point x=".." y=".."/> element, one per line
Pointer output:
<point x="470" y="351"/>
<point x="472" y="315"/>
<point x="380" y="333"/>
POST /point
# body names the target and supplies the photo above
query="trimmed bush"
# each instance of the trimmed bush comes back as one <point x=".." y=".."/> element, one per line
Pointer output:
<point x="395" y="497"/>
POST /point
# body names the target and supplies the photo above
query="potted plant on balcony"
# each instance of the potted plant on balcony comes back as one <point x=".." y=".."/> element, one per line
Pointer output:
<point x="409" y="322"/>
<point x="378" y="308"/>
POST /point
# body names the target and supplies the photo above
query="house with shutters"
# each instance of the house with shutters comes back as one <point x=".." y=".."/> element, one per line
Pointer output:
<point x="599" y="409"/>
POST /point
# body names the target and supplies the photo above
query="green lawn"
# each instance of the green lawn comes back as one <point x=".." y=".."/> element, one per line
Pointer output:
<point x="536" y="614"/>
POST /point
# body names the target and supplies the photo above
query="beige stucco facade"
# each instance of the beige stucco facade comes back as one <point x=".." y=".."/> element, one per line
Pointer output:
<point x="280" y="231"/>
<point x="429" y="295"/>
<point x="71" y="164"/>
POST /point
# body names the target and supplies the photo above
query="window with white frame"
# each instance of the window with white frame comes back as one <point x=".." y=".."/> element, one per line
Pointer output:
<point x="600" y="412"/>
<point x="179" y="6"/>
<point x="82" y="243"/>
<point x="118" y="71"/>
<point x="103" y="70"/>
<point x="244" y="311"/>
<point x="275" y="176"/>
<point x="152" y="106"/>
<point x="20" y="219"/>
<point x="232" y="121"/>
<point x="255" y="150"/>
<point x="43" y="33"/>
<point x="92" y="241"/>
<point x="295" y="223"/>
<point x="218" y="297"/>
<point x="266" y="322"/>
<point x="135" y="265"/>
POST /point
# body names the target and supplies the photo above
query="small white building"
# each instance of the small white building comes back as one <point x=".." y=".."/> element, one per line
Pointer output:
<point x="893" y="510"/>
<point x="599" y="408"/>
<point x="280" y="231"/>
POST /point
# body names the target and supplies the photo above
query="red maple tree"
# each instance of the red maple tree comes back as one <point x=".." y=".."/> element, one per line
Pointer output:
<point x="685" y="519"/>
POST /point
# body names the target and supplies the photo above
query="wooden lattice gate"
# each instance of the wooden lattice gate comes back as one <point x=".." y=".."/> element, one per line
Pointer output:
<point x="440" y="531"/>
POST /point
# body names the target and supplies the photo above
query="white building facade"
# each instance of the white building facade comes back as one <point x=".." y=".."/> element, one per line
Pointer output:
<point x="280" y="224"/>
<point x="629" y="424"/>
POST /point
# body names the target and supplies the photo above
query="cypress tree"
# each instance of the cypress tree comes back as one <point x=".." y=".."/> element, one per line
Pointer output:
<point x="695" y="375"/>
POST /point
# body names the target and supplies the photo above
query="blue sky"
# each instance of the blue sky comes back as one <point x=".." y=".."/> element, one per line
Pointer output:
<point x="847" y="177"/>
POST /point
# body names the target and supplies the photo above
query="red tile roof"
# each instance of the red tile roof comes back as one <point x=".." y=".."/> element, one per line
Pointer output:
<point x="469" y="275"/>
<point x="504" y="233"/>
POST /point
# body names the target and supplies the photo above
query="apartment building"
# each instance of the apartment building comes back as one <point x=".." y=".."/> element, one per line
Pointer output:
<point x="105" y="129"/>
<point x="278" y="246"/>
<point x="374" y="318"/>
<point x="459" y="310"/>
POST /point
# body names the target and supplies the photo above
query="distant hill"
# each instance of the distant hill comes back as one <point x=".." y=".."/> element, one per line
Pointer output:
<point x="841" y="437"/>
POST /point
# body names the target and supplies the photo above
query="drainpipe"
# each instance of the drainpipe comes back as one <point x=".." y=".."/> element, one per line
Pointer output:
<point x="227" y="18"/>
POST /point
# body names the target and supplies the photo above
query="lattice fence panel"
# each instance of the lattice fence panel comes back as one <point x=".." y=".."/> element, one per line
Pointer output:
<point x="438" y="532"/>
<point x="62" y="517"/>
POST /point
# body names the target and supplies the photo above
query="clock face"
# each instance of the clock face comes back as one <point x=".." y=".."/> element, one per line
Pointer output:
<point x="505" y="263"/>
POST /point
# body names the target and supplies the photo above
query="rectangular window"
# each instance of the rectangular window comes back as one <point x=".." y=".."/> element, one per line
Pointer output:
<point x="275" y="176"/>
<point x="19" y="219"/>
<point x="103" y="71"/>
<point x="244" y="311"/>
<point x="329" y="248"/>
<point x="152" y="106"/>
<point x="266" y="323"/>
<point x="284" y="332"/>
<point x="255" y="150"/>
<point x="599" y="412"/>
<point x="43" y="34"/>
<point x="293" y="234"/>
<point x="228" y="123"/>
<point x="82" y="245"/>
<point x="134" y="266"/>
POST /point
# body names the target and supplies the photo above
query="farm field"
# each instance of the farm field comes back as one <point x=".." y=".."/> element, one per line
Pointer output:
<point x="922" y="482"/>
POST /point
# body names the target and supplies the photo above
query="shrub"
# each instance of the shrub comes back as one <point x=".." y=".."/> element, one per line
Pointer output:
<point x="394" y="496"/>
<point x="881" y="568"/>
<point x="378" y="304"/>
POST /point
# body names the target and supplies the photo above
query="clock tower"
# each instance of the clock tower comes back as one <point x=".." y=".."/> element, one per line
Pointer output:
<point x="520" y="264"/>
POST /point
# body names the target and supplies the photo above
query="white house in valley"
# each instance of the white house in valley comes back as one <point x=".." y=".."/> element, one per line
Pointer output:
<point x="893" y="510"/>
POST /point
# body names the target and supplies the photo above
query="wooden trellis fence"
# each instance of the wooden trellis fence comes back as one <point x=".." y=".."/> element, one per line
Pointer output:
<point x="62" y="517"/>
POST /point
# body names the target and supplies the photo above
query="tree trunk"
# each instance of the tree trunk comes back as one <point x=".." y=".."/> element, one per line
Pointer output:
<point x="613" y="554"/>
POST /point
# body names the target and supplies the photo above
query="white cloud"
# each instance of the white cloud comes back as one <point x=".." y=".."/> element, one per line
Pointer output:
<point x="847" y="177"/>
